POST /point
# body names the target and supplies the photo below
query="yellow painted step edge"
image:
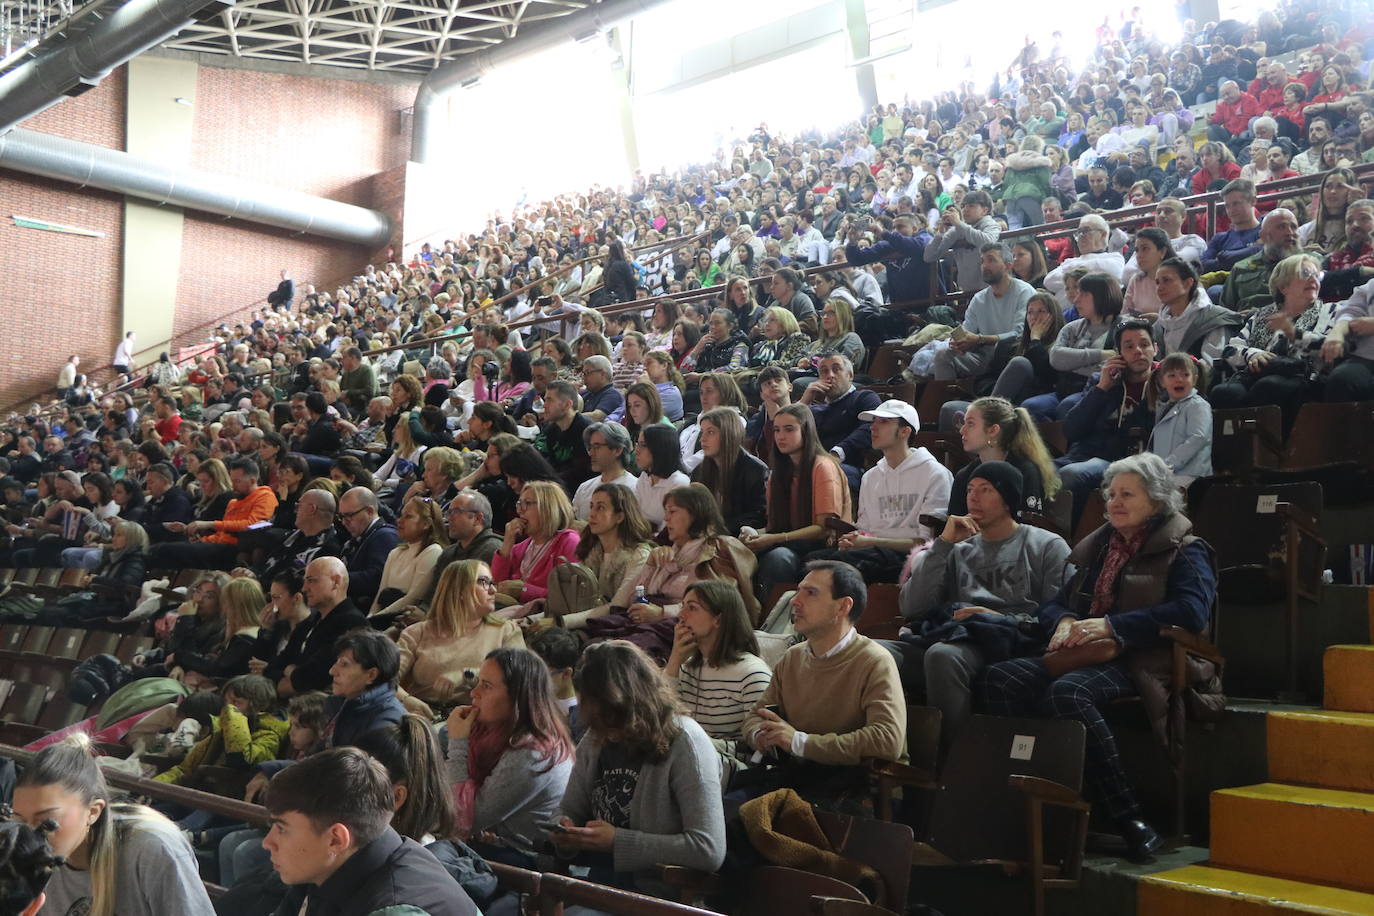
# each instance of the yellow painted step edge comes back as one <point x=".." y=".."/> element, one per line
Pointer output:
<point x="1302" y="795"/>
<point x="1345" y="717"/>
<point x="1263" y="890"/>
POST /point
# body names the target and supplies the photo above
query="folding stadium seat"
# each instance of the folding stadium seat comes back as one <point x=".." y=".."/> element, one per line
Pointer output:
<point x="24" y="703"/>
<point x="99" y="642"/>
<point x="66" y="643"/>
<point x="882" y="618"/>
<point x="37" y="641"/>
<point x="1276" y="556"/>
<point x="1246" y="439"/>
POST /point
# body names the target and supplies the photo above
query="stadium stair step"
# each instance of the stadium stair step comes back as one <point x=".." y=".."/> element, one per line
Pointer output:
<point x="1322" y="747"/>
<point x="1302" y="833"/>
<point x="1202" y="890"/>
<point x="1299" y="842"/>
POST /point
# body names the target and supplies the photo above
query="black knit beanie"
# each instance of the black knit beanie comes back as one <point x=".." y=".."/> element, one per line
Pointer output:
<point x="1005" y="479"/>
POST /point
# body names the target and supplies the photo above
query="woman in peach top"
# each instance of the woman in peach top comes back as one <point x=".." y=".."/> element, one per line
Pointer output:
<point x="806" y="488"/>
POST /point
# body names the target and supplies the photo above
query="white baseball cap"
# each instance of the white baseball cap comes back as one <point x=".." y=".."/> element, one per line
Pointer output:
<point x="895" y="410"/>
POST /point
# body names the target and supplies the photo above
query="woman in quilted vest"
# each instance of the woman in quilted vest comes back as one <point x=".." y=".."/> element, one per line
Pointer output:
<point x="1140" y="573"/>
<point x="614" y="547"/>
<point x="698" y="548"/>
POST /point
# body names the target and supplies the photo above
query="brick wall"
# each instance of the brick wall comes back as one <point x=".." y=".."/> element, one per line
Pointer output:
<point x="321" y="136"/>
<point x="61" y="292"/>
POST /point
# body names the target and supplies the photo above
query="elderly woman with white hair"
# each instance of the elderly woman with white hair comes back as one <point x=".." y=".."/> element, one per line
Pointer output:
<point x="1092" y="236"/>
<point x="1277" y="354"/>
<point x="1141" y="572"/>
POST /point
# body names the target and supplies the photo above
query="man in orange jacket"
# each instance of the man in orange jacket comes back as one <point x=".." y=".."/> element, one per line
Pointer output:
<point x="214" y="544"/>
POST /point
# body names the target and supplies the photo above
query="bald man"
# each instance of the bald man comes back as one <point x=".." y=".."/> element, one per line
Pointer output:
<point x="313" y="537"/>
<point x="305" y="661"/>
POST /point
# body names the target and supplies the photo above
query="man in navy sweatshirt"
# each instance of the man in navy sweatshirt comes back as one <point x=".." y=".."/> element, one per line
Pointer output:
<point x="903" y="250"/>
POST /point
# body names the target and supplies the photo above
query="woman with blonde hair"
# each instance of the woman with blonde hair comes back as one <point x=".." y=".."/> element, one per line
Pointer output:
<point x="240" y="605"/>
<point x="409" y="570"/>
<point x="537" y="539"/>
<point x="120" y="858"/>
<point x="782" y="343"/>
<point x="441" y="654"/>
<point x="664" y="374"/>
<point x="994" y="430"/>
<point x="405" y="455"/>
<point x="215" y="490"/>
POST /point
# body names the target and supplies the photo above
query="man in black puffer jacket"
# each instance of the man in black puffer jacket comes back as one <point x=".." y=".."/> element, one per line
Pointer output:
<point x="331" y="840"/>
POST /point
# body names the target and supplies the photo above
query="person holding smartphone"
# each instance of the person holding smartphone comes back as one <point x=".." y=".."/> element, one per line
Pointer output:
<point x="1114" y="410"/>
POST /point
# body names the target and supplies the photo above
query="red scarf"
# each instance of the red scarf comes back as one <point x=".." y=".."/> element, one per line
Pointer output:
<point x="1119" y="551"/>
<point x="486" y="744"/>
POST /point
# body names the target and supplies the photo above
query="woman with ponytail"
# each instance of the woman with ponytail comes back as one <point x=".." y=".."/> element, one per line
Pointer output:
<point x="120" y="858"/>
<point x="509" y="757"/>
<point x="994" y="430"/>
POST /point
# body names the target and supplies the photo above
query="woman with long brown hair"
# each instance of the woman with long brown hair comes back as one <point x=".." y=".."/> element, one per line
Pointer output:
<point x="733" y="476"/>
<point x="509" y="757"/>
<point x="643" y="768"/>
<point x="806" y="488"/>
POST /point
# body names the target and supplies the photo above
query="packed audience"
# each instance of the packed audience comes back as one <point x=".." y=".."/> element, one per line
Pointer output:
<point x="527" y="544"/>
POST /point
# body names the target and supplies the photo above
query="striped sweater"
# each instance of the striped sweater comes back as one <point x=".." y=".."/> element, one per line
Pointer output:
<point x="719" y="698"/>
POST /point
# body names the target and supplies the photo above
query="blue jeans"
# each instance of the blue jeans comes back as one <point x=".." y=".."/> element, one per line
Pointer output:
<point x="782" y="564"/>
<point x="1081" y="478"/>
<point x="241" y="853"/>
<point x="1047" y="408"/>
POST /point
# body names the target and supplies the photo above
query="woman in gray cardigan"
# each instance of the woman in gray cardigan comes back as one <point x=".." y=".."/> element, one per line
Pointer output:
<point x="509" y="757"/>
<point x="644" y="789"/>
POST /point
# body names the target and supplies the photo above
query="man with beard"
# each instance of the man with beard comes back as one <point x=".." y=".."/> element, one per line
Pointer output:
<point x="1101" y="427"/>
<point x="1247" y="286"/>
<point x="996" y="312"/>
<point x="1352" y="265"/>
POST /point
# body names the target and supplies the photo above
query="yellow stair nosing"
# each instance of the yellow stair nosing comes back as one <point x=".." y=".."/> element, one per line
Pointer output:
<point x="1293" y="896"/>
<point x="1294" y="793"/>
<point x="1344" y="716"/>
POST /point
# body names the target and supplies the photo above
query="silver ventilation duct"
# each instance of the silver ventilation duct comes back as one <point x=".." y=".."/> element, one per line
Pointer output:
<point x="78" y="64"/>
<point x="530" y="40"/>
<point x="112" y="170"/>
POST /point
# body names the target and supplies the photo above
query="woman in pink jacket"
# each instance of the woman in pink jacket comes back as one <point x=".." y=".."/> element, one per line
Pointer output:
<point x="537" y="539"/>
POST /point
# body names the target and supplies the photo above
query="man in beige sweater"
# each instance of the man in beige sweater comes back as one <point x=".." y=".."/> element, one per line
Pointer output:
<point x="836" y="699"/>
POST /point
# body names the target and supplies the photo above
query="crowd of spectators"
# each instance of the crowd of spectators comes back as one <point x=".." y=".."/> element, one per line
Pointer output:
<point x="557" y="529"/>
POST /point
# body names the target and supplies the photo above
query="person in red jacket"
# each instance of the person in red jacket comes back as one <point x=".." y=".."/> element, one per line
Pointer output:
<point x="1267" y="89"/>
<point x="1234" y="110"/>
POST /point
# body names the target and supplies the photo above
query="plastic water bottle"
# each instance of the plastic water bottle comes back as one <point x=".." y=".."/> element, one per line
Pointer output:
<point x="641" y="596"/>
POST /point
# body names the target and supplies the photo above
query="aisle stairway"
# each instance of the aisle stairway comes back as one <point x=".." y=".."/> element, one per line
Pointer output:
<point x="1304" y="841"/>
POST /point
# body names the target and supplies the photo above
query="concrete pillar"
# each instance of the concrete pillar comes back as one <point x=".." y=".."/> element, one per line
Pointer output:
<point x="159" y="128"/>
<point x="856" y="27"/>
<point x="620" y="85"/>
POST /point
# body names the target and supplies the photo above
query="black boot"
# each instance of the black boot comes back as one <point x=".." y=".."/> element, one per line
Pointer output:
<point x="1141" y="839"/>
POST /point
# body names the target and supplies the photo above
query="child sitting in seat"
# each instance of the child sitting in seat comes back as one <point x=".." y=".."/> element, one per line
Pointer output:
<point x="243" y="734"/>
<point x="1182" y="433"/>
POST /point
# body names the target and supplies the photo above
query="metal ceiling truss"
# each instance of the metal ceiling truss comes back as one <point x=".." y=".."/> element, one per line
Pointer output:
<point x="406" y="36"/>
<point x="403" y="36"/>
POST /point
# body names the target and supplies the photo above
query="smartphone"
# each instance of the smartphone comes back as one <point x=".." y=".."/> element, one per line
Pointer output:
<point x="775" y="709"/>
<point x="835" y="523"/>
<point x="552" y="826"/>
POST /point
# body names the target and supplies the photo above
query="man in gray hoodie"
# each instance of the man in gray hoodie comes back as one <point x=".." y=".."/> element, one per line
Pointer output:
<point x="984" y="575"/>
